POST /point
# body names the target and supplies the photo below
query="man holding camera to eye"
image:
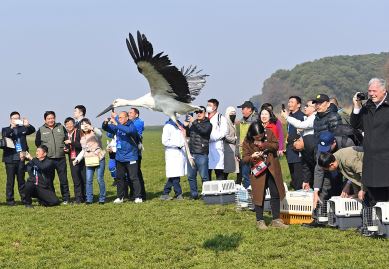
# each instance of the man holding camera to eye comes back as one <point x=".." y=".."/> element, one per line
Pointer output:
<point x="373" y="119"/>
<point x="14" y="157"/>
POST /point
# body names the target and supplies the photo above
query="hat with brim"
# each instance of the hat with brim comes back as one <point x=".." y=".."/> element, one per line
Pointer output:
<point x="326" y="139"/>
<point x="320" y="98"/>
<point x="247" y="104"/>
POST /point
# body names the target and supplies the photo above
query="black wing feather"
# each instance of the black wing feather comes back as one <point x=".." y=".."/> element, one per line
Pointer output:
<point x="162" y="64"/>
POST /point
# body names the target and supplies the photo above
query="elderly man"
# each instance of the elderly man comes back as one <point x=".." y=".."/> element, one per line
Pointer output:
<point x="373" y="119"/>
<point x="126" y="154"/>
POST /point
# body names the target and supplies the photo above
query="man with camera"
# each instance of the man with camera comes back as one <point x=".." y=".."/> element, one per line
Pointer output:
<point x="373" y="119"/>
<point x="14" y="157"/>
<point x="199" y="132"/>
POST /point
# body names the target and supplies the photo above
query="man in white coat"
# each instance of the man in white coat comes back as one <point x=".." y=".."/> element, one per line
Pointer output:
<point x="216" y="144"/>
<point x="175" y="159"/>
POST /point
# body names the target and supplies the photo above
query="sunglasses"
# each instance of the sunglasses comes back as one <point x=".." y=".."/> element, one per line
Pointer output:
<point x="199" y="112"/>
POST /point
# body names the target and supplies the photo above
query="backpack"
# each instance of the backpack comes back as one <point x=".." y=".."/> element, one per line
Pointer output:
<point x="347" y="131"/>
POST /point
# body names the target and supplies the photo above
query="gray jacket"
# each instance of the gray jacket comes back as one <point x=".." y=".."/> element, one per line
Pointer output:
<point x="53" y="139"/>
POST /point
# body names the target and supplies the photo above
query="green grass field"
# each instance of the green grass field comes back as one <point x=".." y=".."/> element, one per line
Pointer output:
<point x="171" y="234"/>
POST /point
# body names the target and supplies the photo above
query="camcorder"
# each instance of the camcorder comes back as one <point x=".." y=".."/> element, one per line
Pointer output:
<point x="362" y="96"/>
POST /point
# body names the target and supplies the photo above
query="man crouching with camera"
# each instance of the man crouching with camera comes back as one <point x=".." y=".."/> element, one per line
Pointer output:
<point x="41" y="175"/>
<point x="373" y="119"/>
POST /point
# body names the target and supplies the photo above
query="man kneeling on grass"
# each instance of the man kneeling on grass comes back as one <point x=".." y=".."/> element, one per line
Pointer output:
<point x="41" y="175"/>
<point x="348" y="161"/>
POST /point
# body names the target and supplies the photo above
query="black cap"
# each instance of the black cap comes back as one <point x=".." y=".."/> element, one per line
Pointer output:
<point x="320" y="98"/>
<point x="248" y="104"/>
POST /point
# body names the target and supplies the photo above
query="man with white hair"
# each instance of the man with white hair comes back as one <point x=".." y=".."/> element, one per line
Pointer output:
<point x="373" y="119"/>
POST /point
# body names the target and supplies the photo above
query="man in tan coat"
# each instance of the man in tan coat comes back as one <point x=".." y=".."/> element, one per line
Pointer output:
<point x="348" y="161"/>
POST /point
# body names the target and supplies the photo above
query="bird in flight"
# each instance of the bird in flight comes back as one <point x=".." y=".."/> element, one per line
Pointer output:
<point x="171" y="90"/>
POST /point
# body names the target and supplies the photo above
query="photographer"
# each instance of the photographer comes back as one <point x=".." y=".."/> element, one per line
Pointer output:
<point x="41" y="175"/>
<point x="14" y="157"/>
<point x="373" y="119"/>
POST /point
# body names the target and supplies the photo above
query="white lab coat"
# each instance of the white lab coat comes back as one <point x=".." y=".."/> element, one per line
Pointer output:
<point x="175" y="158"/>
<point x="216" y="144"/>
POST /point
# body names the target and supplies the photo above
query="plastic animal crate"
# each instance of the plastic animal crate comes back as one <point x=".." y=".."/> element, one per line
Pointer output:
<point x="218" y="187"/>
<point x="296" y="208"/>
<point x="344" y="213"/>
<point x="295" y="218"/>
<point x="376" y="220"/>
<point x="221" y="199"/>
<point x="266" y="203"/>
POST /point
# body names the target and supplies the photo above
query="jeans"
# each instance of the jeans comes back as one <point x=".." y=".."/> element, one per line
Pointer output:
<point x="100" y="179"/>
<point x="201" y="166"/>
<point x="245" y="170"/>
<point x="175" y="183"/>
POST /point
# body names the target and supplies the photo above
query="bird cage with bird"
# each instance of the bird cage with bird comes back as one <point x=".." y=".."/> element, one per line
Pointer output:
<point x="376" y="220"/>
<point x="219" y="192"/>
<point x="344" y="213"/>
<point x="296" y="207"/>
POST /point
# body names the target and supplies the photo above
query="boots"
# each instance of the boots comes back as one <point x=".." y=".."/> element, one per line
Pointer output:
<point x="278" y="223"/>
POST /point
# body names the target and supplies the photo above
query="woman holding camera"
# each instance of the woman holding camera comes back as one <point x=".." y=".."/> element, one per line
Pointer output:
<point x="260" y="152"/>
<point x="93" y="154"/>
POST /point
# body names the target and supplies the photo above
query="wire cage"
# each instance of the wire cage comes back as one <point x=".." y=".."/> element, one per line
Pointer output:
<point x="320" y="213"/>
<point x="376" y="220"/>
<point x="344" y="213"/>
<point x="243" y="199"/>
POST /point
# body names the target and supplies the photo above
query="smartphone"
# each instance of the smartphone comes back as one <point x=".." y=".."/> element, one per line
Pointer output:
<point x="283" y="107"/>
<point x="188" y="116"/>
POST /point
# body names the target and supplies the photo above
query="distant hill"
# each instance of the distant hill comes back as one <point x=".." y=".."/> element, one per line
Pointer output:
<point x="339" y="76"/>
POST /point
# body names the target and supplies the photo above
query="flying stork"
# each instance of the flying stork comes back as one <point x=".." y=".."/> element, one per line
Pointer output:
<point x="171" y="90"/>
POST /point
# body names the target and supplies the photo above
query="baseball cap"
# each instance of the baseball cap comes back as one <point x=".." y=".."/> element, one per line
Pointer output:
<point x="248" y="104"/>
<point x="326" y="139"/>
<point x="320" y="98"/>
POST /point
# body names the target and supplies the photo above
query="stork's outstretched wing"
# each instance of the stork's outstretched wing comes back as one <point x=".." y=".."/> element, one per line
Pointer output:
<point x="163" y="77"/>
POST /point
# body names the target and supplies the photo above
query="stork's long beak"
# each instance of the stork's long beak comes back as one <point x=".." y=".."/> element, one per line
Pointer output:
<point x="105" y="110"/>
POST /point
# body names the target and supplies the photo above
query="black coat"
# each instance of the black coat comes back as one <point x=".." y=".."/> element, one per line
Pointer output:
<point x="9" y="154"/>
<point x="199" y="133"/>
<point x="327" y="121"/>
<point x="45" y="170"/>
<point x="375" y="124"/>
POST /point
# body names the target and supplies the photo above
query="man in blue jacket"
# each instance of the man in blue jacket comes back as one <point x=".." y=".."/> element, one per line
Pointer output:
<point x="126" y="154"/>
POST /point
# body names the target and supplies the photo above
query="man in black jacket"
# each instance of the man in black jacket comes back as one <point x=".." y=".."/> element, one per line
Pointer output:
<point x="293" y="157"/>
<point x="199" y="131"/>
<point x="41" y="174"/>
<point x="14" y="157"/>
<point x="327" y="116"/>
<point x="373" y="119"/>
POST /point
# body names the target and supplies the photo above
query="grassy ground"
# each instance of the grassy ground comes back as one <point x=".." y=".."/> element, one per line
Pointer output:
<point x="173" y="234"/>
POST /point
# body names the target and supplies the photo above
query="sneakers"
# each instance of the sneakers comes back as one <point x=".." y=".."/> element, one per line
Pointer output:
<point x="261" y="225"/>
<point x="138" y="200"/>
<point x="11" y="203"/>
<point x="165" y="197"/>
<point x="118" y="201"/>
<point x="28" y="206"/>
<point x="179" y="197"/>
<point x="278" y="223"/>
<point x="65" y="202"/>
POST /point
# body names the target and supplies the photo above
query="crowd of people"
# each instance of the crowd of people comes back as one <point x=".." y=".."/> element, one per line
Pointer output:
<point x="321" y="151"/>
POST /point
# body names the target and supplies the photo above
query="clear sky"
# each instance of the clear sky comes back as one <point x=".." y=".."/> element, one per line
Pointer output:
<point x="74" y="52"/>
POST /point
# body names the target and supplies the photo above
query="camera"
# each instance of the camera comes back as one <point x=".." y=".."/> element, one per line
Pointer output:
<point x="19" y="122"/>
<point x="362" y="96"/>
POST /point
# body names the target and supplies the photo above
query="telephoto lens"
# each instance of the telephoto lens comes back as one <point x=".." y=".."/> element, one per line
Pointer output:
<point x="362" y="96"/>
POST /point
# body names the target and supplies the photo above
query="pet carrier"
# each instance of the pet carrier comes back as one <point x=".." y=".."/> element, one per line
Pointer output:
<point x="219" y="192"/>
<point x="296" y="208"/>
<point x="243" y="198"/>
<point x="376" y="220"/>
<point x="344" y="213"/>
